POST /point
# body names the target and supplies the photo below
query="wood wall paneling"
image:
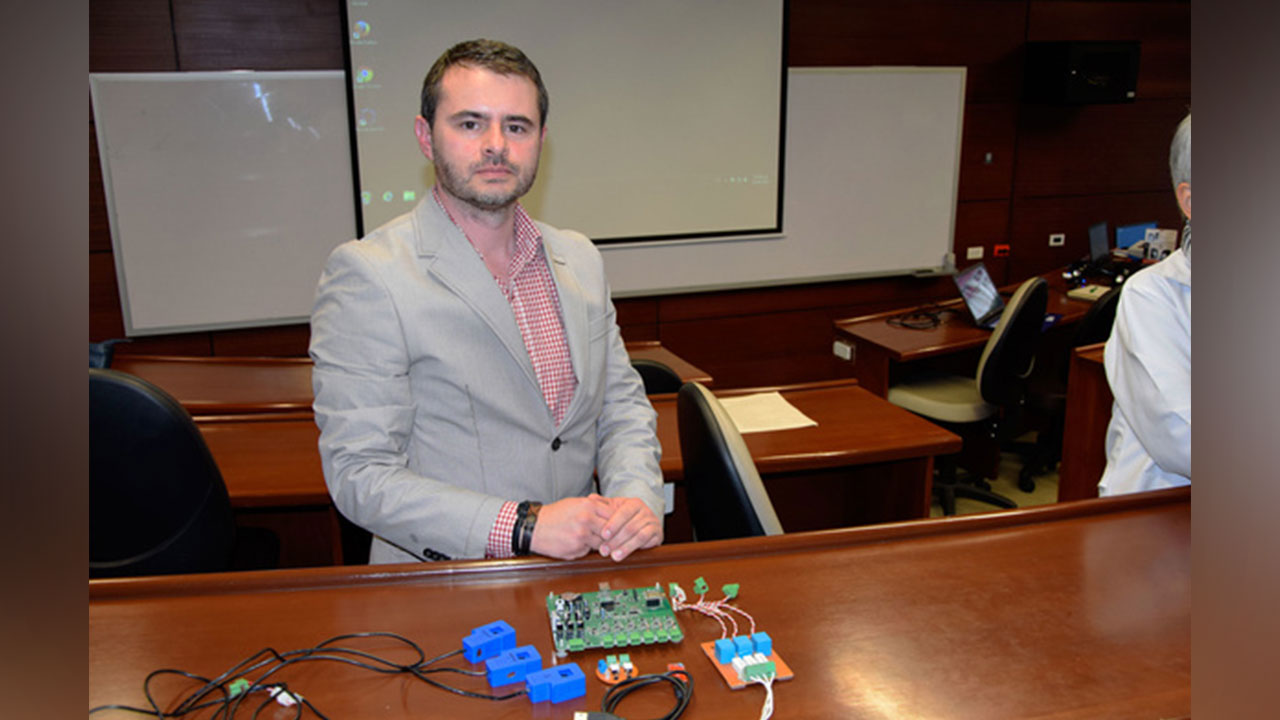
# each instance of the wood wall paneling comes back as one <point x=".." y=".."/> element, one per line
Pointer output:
<point x="766" y="349"/>
<point x="893" y="291"/>
<point x="130" y="36"/>
<point x="99" y="225"/>
<point x="106" y="320"/>
<point x="1163" y="29"/>
<point x="986" y="37"/>
<point x="276" y="35"/>
<point x="1035" y="218"/>
<point x="984" y="223"/>
<point x="986" y="151"/>
<point x="1090" y="149"/>
<point x="278" y="341"/>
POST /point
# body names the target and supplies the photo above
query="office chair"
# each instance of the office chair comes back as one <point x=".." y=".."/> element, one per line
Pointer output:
<point x="101" y="353"/>
<point x="996" y="390"/>
<point x="726" y="497"/>
<point x="1050" y="401"/>
<point x="658" y="377"/>
<point x="157" y="502"/>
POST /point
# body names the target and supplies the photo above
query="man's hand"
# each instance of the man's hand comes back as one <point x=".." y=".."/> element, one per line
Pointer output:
<point x="570" y="528"/>
<point x="629" y="526"/>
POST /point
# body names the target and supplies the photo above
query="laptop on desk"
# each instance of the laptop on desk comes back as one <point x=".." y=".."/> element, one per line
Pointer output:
<point x="980" y="295"/>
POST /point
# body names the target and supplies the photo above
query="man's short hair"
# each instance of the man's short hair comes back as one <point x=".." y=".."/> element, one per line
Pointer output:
<point x="1180" y="153"/>
<point x="492" y="55"/>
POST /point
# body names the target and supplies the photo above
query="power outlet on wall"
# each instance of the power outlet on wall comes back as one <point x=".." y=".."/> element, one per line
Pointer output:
<point x="1057" y="239"/>
<point x="974" y="252"/>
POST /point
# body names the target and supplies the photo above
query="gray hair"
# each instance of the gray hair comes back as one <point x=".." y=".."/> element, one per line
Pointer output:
<point x="1180" y="153"/>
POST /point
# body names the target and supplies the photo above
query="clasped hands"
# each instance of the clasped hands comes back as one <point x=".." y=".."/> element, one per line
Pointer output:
<point x="614" y="527"/>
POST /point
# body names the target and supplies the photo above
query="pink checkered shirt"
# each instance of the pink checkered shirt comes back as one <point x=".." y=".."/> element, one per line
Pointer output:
<point x="532" y="295"/>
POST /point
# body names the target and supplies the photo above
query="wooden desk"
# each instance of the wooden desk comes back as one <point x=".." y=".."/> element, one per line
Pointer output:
<point x="868" y="461"/>
<point x="226" y="385"/>
<point x="653" y="350"/>
<point x="1073" y="611"/>
<point x="239" y="385"/>
<point x="1084" y="437"/>
<point x="880" y="347"/>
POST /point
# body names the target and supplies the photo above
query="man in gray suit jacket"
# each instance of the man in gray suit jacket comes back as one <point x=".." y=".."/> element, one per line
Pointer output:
<point x="470" y="378"/>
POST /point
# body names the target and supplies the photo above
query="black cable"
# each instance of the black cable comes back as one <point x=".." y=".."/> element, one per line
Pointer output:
<point x="681" y="683"/>
<point x="271" y="661"/>
<point x="926" y="317"/>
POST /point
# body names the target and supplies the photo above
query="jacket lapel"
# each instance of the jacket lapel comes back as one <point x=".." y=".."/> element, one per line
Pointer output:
<point x="573" y="306"/>
<point x="448" y="256"/>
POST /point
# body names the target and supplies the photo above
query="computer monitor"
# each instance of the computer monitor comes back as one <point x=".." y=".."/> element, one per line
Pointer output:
<point x="1099" y="242"/>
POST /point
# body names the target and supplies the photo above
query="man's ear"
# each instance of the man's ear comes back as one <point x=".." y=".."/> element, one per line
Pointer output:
<point x="1183" y="191"/>
<point x="422" y="129"/>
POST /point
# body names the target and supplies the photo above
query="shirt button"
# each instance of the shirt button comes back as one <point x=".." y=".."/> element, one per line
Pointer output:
<point x="555" y="444"/>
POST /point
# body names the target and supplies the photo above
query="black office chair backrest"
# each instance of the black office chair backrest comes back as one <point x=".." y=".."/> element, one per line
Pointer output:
<point x="726" y="497"/>
<point x="157" y="503"/>
<point x="1010" y="352"/>
<point x="658" y="377"/>
<point x="1094" y="327"/>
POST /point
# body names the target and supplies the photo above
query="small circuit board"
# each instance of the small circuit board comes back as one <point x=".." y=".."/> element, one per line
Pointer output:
<point x="611" y="618"/>
<point x="736" y="680"/>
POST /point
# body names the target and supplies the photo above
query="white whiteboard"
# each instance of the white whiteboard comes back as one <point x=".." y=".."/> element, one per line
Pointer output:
<point x="225" y="193"/>
<point x="225" y="200"/>
<point x="872" y="171"/>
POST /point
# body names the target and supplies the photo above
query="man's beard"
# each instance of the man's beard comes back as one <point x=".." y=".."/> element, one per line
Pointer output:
<point x="455" y="183"/>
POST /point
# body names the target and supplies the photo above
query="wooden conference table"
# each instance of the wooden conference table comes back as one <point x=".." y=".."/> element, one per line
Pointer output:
<point x="880" y="348"/>
<point x="1072" y="611"/>
<point x="868" y="460"/>
<point x="239" y="385"/>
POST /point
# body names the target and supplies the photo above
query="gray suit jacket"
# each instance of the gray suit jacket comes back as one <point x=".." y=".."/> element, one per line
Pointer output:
<point x="429" y="410"/>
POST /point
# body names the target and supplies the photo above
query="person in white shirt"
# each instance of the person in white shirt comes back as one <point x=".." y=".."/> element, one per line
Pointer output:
<point x="1148" y="361"/>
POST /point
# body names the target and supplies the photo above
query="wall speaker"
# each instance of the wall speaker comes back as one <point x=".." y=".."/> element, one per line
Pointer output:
<point x="1081" y="73"/>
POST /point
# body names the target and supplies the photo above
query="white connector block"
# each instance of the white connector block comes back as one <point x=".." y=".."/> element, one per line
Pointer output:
<point x="973" y="252"/>
<point x="1057" y="239"/>
<point x="842" y="349"/>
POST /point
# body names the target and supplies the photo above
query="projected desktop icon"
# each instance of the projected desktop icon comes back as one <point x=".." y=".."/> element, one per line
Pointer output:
<point x="368" y="117"/>
<point x="364" y="75"/>
<point x="359" y="30"/>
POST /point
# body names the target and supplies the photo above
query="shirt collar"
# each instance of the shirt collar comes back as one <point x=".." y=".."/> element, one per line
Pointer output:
<point x="528" y="238"/>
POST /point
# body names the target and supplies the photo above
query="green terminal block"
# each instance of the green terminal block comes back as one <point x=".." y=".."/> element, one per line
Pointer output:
<point x="731" y="590"/>
<point x="759" y="670"/>
<point x="700" y="586"/>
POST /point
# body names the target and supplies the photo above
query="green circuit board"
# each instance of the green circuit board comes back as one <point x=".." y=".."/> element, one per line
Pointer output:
<point x="611" y="618"/>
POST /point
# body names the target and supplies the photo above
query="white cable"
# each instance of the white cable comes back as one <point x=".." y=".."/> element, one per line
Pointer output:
<point x="766" y="712"/>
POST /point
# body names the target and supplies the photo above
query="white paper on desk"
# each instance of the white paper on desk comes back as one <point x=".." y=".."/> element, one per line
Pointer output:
<point x="764" y="411"/>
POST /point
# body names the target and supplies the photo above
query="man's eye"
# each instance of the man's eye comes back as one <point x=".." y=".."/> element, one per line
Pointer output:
<point x="469" y="124"/>
<point x="517" y="129"/>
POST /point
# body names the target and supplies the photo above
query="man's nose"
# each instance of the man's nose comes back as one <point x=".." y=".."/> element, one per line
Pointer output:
<point x="495" y="141"/>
